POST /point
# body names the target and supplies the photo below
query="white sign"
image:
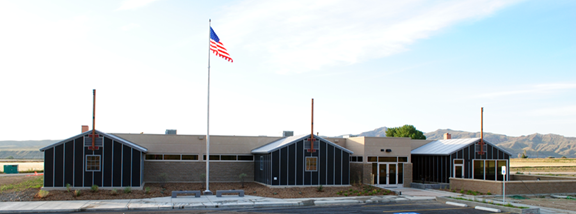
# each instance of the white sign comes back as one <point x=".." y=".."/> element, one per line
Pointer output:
<point x="503" y="170"/>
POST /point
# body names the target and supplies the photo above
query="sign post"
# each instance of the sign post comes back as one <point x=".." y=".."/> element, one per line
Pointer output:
<point x="504" y="184"/>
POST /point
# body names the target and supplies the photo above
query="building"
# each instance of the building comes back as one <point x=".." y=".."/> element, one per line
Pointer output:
<point x="132" y="160"/>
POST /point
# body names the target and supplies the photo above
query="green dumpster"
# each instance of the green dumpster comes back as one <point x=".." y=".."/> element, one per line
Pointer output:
<point x="11" y="169"/>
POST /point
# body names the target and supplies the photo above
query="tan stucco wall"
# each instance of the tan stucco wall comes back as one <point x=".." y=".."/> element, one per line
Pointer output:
<point x="400" y="146"/>
<point x="418" y="143"/>
<point x="407" y="174"/>
<point x="183" y="172"/>
<point x="356" y="145"/>
<point x="338" y="140"/>
<point x="196" y="144"/>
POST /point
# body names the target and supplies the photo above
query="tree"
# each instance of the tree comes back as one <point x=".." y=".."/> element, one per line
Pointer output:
<point x="405" y="131"/>
<point x="10" y="157"/>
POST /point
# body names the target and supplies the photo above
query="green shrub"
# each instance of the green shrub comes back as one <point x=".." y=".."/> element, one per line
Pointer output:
<point x="114" y="192"/>
<point x="345" y="194"/>
<point x="94" y="188"/>
<point x="127" y="190"/>
<point x="42" y="193"/>
<point x="68" y="187"/>
<point x="147" y="190"/>
<point x="488" y="193"/>
<point x="241" y="176"/>
<point x="77" y="192"/>
<point x="163" y="178"/>
<point x="462" y="191"/>
<point x="320" y="188"/>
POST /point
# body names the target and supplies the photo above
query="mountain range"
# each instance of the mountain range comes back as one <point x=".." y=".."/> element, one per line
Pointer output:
<point x="535" y="145"/>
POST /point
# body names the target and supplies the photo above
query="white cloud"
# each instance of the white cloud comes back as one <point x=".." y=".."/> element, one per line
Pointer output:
<point x="129" y="26"/>
<point x="133" y="4"/>
<point x="540" y="88"/>
<point x="300" y="36"/>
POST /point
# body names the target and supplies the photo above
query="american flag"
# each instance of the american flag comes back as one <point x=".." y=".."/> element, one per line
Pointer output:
<point x="217" y="47"/>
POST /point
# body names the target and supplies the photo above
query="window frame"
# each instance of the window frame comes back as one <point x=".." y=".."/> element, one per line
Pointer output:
<point x="261" y="163"/>
<point x="315" y="164"/>
<point x="99" y="163"/>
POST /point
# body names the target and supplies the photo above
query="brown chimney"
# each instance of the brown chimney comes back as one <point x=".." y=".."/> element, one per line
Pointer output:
<point x="447" y="136"/>
<point x="84" y="128"/>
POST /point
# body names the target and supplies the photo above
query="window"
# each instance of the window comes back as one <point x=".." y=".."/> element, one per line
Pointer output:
<point x="372" y="159"/>
<point x="153" y="157"/>
<point x="189" y="157"/>
<point x="226" y="157"/>
<point x="245" y="157"/>
<point x="92" y="163"/>
<point x="458" y="161"/>
<point x="402" y="159"/>
<point x="387" y="159"/>
<point x="311" y="163"/>
<point x="171" y="157"/>
<point x="261" y="162"/>
<point x="352" y="158"/>
<point x="360" y="159"/>
<point x="213" y="157"/>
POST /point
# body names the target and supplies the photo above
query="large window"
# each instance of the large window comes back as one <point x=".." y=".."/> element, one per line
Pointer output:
<point x="92" y="163"/>
<point x="489" y="169"/>
<point x="479" y="169"/>
<point x="311" y="163"/>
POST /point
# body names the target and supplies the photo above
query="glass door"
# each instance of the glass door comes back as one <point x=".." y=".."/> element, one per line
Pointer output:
<point x="392" y="174"/>
<point x="388" y="174"/>
<point x="382" y="174"/>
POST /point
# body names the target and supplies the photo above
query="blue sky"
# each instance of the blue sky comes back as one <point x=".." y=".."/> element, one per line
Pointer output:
<point x="431" y="64"/>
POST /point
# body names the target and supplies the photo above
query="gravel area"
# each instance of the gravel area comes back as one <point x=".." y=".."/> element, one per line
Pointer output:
<point x="249" y="189"/>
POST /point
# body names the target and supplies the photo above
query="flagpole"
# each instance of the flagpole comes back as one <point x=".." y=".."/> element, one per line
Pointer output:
<point x="207" y="191"/>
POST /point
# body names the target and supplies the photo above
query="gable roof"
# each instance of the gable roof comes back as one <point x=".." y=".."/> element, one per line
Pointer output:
<point x="117" y="139"/>
<point x="447" y="147"/>
<point x="273" y="146"/>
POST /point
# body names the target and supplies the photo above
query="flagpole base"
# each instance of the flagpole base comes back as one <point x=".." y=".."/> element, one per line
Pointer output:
<point x="207" y="192"/>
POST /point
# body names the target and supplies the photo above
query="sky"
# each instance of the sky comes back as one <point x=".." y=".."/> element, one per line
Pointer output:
<point x="367" y="64"/>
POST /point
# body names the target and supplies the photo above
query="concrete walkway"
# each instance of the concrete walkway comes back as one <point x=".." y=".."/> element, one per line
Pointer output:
<point x="190" y="202"/>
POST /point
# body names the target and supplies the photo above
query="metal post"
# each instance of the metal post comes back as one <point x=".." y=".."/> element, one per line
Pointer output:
<point x="93" y="119"/>
<point x="207" y="191"/>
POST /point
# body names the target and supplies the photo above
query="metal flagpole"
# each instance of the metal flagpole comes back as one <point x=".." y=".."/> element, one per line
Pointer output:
<point x="207" y="191"/>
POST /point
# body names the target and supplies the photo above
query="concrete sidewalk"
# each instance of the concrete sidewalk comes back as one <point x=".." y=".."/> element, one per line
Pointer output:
<point x="190" y="202"/>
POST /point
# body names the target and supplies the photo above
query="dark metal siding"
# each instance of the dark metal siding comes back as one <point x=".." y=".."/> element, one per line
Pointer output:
<point x="87" y="175"/>
<point x="291" y="172"/>
<point x="117" y="165"/>
<point x="330" y="165"/>
<point x="275" y="167"/>
<point x="136" y="155"/>
<point x="283" y="177"/>
<point x="78" y="162"/>
<point x="98" y="175"/>
<point x="69" y="162"/>
<point x="346" y="168"/>
<point x="126" y="159"/>
<point x="107" y="157"/>
<point x="49" y="167"/>
<point x="323" y="162"/>
<point x="59" y="166"/>
<point x="300" y="163"/>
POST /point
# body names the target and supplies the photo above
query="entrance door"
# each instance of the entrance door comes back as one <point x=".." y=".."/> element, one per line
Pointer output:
<point x="388" y="174"/>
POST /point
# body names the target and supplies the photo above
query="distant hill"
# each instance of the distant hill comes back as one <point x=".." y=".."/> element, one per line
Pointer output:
<point x="536" y="145"/>
<point x="27" y="149"/>
<point x="541" y="145"/>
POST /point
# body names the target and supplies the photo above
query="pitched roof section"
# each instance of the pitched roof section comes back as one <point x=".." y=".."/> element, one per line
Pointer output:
<point x="289" y="140"/>
<point x="447" y="147"/>
<point x="135" y="146"/>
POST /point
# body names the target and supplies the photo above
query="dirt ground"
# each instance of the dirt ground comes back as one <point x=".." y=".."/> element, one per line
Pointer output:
<point x="558" y="203"/>
<point x="249" y="189"/>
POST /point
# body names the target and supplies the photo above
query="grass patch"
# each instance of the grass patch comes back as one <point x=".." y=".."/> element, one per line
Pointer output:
<point x="33" y="183"/>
